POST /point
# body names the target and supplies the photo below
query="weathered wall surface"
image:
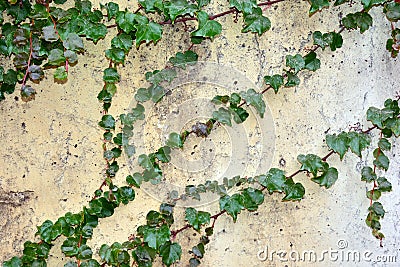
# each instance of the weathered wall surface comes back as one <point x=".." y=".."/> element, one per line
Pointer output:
<point x="51" y="154"/>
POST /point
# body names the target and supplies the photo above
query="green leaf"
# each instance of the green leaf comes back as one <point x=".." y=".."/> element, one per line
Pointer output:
<point x="45" y="231"/>
<point x="96" y="32"/>
<point x="317" y="5"/>
<point x="232" y="204"/>
<point x="156" y="237"/>
<point x="293" y="191"/>
<point x="142" y="95"/>
<point x="223" y="116"/>
<point x="50" y="34"/>
<point x="252" y="198"/>
<point x="377" y="208"/>
<point x="382" y="162"/>
<point x="148" y="32"/>
<point x="361" y="20"/>
<point x="372" y="221"/>
<point x="107" y="122"/>
<point x="368" y="174"/>
<point x="292" y="79"/>
<point x="296" y="62"/>
<point x="151" y="5"/>
<point x="90" y="263"/>
<point x="182" y="59"/>
<point x="338" y="143"/>
<point x="239" y="114"/>
<point x="379" y="116"/>
<point x="125" y="20"/>
<point x="274" y="181"/>
<point x="101" y="207"/>
<point x="170" y="253"/>
<point x="176" y="8"/>
<point x="256" y="22"/>
<point x="358" y="142"/>
<point x="35" y="72"/>
<point x="312" y="62"/>
<point x="123" y="41"/>
<point x="312" y="163"/>
<point x="392" y="11"/>
<point x="174" y="141"/>
<point x="145" y="162"/>
<point x="157" y="76"/>
<point x="374" y="194"/>
<point x="328" y="178"/>
<point x="61" y="73"/>
<point x="70" y="247"/>
<point x="332" y="39"/>
<point x="395" y="127"/>
<point x="197" y="218"/>
<point x="207" y="28"/>
<point x="117" y="55"/>
<point x="111" y="75"/>
<point x="112" y="9"/>
<point x="220" y="99"/>
<point x="56" y="57"/>
<point x="245" y="6"/>
<point x="369" y="3"/>
<point x="254" y="99"/>
<point x="384" y="185"/>
<point x="340" y="2"/>
<point x="136" y="179"/>
<point x="84" y="253"/>
<point x="384" y="144"/>
<point x="73" y="42"/>
<point x="13" y="262"/>
<point x="20" y="11"/>
<point x="198" y="250"/>
<point x="202" y="3"/>
<point x="71" y="56"/>
<point x="144" y="256"/>
<point x="163" y="154"/>
<point x="27" y="93"/>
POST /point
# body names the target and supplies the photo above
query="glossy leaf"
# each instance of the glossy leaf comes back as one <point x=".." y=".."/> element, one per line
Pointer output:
<point x="174" y="141"/>
<point x="197" y="218"/>
<point x="223" y="116"/>
<point x="256" y="22"/>
<point x="358" y="142"/>
<point x="182" y="59"/>
<point x="274" y="180"/>
<point x="327" y="178"/>
<point x="254" y="99"/>
<point x="232" y="204"/>
<point x="207" y="28"/>
<point x="338" y="143"/>
<point x="317" y="5"/>
<point x="176" y="8"/>
<point x="295" y="62"/>
<point x="293" y="191"/>
<point x="368" y="174"/>
<point x="312" y="163"/>
<point x="170" y="253"/>
<point x="252" y="198"/>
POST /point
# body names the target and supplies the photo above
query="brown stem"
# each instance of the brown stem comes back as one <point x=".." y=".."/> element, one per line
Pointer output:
<point x="29" y="59"/>
<point x="213" y="17"/>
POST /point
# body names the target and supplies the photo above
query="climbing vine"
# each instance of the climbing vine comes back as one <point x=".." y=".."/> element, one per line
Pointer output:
<point x="45" y="36"/>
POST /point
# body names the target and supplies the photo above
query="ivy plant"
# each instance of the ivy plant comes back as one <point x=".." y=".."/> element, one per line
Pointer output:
<point x="44" y="36"/>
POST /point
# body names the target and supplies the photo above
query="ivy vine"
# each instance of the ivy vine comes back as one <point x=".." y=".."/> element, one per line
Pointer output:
<point x="44" y="37"/>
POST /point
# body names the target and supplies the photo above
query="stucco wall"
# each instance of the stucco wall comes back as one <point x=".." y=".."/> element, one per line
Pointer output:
<point x="51" y="154"/>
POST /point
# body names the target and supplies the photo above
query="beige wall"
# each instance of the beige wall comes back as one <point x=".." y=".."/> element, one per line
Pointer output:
<point x="51" y="155"/>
